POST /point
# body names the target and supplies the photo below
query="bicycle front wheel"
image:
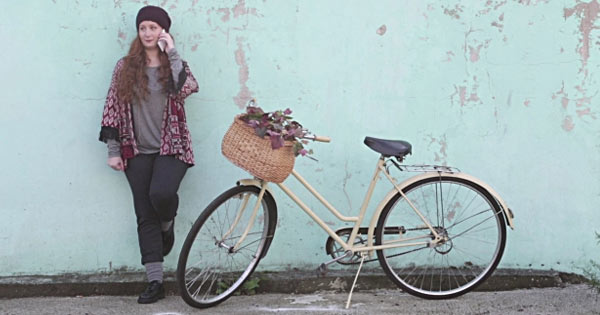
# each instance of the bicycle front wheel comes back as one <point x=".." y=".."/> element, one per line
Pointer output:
<point x="462" y="211"/>
<point x="211" y="267"/>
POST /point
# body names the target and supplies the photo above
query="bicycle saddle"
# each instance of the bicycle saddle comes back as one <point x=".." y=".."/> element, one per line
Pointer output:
<point x="397" y="148"/>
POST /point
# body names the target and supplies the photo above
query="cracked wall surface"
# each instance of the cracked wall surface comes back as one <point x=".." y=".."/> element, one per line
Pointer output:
<point x="505" y="90"/>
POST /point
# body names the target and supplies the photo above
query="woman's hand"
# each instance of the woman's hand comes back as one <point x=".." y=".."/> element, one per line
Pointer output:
<point x="116" y="163"/>
<point x="166" y="37"/>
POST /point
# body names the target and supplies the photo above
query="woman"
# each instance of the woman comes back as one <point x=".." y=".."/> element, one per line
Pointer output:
<point x="145" y="128"/>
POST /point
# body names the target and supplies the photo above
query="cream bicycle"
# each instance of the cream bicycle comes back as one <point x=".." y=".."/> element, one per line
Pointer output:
<point x="438" y="234"/>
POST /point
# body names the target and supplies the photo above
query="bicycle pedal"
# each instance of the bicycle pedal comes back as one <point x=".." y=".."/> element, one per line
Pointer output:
<point x="322" y="270"/>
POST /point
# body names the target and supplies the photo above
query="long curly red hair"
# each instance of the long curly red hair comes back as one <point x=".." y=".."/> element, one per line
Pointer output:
<point x="133" y="81"/>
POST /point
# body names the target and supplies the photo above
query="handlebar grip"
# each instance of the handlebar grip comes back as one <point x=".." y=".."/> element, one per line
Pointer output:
<point x="322" y="139"/>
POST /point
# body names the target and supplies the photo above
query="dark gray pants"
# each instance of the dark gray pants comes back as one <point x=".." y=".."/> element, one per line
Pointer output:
<point x="154" y="180"/>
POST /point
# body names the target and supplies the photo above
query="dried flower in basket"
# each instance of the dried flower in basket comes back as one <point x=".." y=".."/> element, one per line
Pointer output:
<point x="278" y="126"/>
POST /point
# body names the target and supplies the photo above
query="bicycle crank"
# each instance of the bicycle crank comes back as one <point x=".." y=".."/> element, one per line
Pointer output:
<point x="337" y="251"/>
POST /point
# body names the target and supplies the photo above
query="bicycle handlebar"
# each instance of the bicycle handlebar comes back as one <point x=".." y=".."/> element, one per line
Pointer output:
<point x="317" y="138"/>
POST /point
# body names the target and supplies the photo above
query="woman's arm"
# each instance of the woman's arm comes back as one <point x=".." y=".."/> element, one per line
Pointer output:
<point x="114" y="155"/>
<point x="176" y="69"/>
<point x="189" y="86"/>
<point x="109" y="131"/>
<point x="110" y="116"/>
<point x="184" y="82"/>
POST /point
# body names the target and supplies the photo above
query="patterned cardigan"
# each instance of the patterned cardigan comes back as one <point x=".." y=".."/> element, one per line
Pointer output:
<point x="117" y="122"/>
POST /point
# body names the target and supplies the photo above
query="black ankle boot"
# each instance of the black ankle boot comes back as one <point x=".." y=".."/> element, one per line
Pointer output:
<point x="154" y="292"/>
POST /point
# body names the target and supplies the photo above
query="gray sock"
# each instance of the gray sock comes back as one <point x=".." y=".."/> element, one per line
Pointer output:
<point x="154" y="271"/>
<point x="164" y="226"/>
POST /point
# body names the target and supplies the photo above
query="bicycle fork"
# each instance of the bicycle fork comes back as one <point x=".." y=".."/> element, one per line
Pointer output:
<point x="239" y="216"/>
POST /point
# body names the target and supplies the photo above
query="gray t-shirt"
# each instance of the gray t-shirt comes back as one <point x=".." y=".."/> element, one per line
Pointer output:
<point x="148" y="114"/>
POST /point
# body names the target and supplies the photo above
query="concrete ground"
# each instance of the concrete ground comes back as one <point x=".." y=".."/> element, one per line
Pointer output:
<point x="570" y="299"/>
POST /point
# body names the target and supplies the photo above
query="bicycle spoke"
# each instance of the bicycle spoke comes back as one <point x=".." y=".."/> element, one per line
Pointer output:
<point x="208" y="277"/>
<point x="476" y="239"/>
<point x="472" y="216"/>
<point x="465" y="209"/>
<point x="472" y="237"/>
<point x="467" y="253"/>
<point x="474" y="226"/>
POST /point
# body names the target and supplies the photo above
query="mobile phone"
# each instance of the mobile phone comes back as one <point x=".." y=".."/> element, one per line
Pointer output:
<point x="162" y="43"/>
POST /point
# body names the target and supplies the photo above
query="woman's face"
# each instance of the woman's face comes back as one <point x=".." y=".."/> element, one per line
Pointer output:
<point x="148" y="33"/>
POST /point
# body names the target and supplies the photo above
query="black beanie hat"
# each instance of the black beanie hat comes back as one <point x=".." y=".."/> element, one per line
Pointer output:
<point x="154" y="14"/>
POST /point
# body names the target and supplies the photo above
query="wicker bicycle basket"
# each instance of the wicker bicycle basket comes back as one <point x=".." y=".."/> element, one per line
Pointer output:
<point x="254" y="154"/>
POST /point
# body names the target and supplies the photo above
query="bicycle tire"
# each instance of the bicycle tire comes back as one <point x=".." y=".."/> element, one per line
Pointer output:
<point x="442" y="272"/>
<point x="208" y="270"/>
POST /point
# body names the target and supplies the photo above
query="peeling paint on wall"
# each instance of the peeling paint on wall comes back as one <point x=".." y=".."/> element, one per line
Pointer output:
<point x="466" y="95"/>
<point x="241" y="9"/>
<point x="587" y="13"/>
<point x="449" y="56"/>
<point x="441" y="155"/>
<point x="226" y="13"/>
<point x="474" y="53"/>
<point x="567" y="124"/>
<point x="532" y="2"/>
<point x="564" y="100"/>
<point x="244" y="95"/>
<point x="492" y="5"/>
<point x="454" y="12"/>
<point x="122" y="39"/>
<point x="498" y="23"/>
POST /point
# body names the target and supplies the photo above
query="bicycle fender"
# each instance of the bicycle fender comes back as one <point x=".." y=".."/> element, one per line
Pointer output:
<point x="507" y="212"/>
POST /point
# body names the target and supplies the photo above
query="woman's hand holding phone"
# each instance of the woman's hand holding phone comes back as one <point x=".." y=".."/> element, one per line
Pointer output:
<point x="165" y="41"/>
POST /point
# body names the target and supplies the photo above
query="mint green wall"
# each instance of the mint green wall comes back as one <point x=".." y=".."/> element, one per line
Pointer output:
<point x="505" y="90"/>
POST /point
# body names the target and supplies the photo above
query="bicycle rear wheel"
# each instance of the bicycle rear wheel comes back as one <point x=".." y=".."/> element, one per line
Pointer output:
<point x="465" y="212"/>
<point x="210" y="270"/>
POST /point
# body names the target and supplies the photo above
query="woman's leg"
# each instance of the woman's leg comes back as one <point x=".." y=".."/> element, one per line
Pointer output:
<point x="154" y="181"/>
<point x="167" y="175"/>
<point x="140" y="175"/>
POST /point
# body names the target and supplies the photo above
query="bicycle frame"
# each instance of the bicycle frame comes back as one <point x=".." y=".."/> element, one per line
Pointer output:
<point x="381" y="168"/>
<point x="357" y="220"/>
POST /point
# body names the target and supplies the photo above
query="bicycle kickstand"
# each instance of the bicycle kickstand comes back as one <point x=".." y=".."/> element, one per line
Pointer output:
<point x="322" y="269"/>
<point x="362" y="259"/>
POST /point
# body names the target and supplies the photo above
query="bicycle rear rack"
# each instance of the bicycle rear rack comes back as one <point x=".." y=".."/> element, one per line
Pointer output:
<point x="423" y="168"/>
